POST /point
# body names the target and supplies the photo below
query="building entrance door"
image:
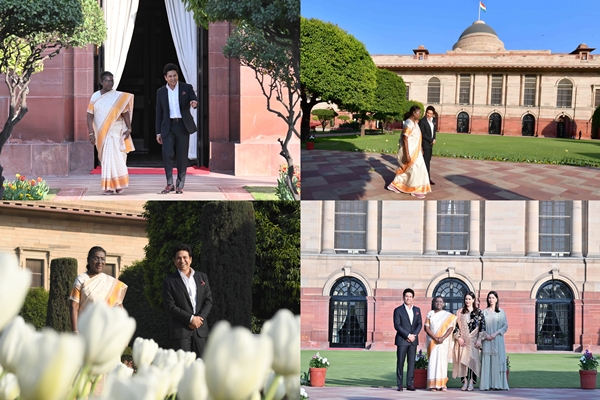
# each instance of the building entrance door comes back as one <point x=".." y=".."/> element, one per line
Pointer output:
<point x="348" y="314"/>
<point x="495" y="124"/>
<point x="528" y="125"/>
<point x="554" y="317"/>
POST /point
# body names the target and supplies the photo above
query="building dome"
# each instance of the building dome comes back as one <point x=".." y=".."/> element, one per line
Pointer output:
<point x="479" y="37"/>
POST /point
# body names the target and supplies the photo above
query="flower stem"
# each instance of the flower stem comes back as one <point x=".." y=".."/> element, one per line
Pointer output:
<point x="81" y="381"/>
<point x="94" y="383"/>
<point x="272" y="389"/>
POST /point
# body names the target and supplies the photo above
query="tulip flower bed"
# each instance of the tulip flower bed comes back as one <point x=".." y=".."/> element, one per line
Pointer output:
<point x="54" y="366"/>
<point x="23" y="188"/>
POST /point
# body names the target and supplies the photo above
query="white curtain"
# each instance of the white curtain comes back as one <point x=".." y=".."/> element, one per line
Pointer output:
<point x="185" y="37"/>
<point x="120" y="21"/>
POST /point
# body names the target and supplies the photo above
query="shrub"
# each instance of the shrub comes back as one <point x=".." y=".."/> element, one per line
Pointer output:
<point x="325" y="116"/>
<point x="34" y="308"/>
<point x="353" y="126"/>
<point x="63" y="272"/>
<point x="344" y="118"/>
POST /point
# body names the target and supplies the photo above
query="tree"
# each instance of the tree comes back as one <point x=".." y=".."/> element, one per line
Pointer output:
<point x="408" y="104"/>
<point x="35" y="308"/>
<point x="335" y="67"/>
<point x="389" y="96"/>
<point x="277" y="273"/>
<point x="228" y="254"/>
<point x="32" y="32"/>
<point x="267" y="40"/>
<point x="596" y="123"/>
<point x="324" y="116"/>
<point x="63" y="272"/>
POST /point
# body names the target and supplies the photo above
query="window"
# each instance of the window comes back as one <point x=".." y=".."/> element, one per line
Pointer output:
<point x="555" y="228"/>
<point x="433" y="91"/>
<point x="464" y="93"/>
<point x="453" y="227"/>
<point x="529" y="91"/>
<point x="110" y="269"/>
<point x="348" y="314"/>
<point x="564" y="94"/>
<point x="554" y="317"/>
<point x="597" y="98"/>
<point x="37" y="272"/>
<point x="350" y="227"/>
<point x="453" y="291"/>
<point x="496" y="92"/>
<point x="407" y="92"/>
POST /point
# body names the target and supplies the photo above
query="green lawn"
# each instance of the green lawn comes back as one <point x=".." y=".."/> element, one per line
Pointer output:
<point x="262" y="192"/>
<point x="480" y="147"/>
<point x="378" y="369"/>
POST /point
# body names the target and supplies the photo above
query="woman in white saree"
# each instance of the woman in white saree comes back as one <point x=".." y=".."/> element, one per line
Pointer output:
<point x="109" y="124"/>
<point x="439" y="326"/>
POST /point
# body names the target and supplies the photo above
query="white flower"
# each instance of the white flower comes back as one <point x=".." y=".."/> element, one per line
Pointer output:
<point x="284" y="329"/>
<point x="238" y="362"/>
<point x="165" y="358"/>
<point x="14" y="285"/>
<point x="106" y="332"/>
<point x="279" y="383"/>
<point x="14" y="338"/>
<point x="9" y="386"/>
<point x="303" y="394"/>
<point x="144" y="351"/>
<point x="325" y="360"/>
<point x="582" y="358"/>
<point x="149" y="384"/>
<point x="175" y="373"/>
<point x="193" y="384"/>
<point x="188" y="357"/>
<point x="48" y="365"/>
<point x="119" y="372"/>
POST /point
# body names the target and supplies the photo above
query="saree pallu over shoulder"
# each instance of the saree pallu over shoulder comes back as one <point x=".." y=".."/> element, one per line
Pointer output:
<point x="411" y="177"/>
<point x="466" y="357"/>
<point x="437" y="372"/>
<point x="107" y="109"/>
<point x="102" y="287"/>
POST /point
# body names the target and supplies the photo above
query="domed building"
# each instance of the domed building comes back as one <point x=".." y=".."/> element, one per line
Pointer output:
<point x="480" y="87"/>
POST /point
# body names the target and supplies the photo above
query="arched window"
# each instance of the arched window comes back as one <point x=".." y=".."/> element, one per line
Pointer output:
<point x="453" y="291"/>
<point x="348" y="314"/>
<point x="554" y="316"/>
<point x="528" y="125"/>
<point x="433" y="91"/>
<point x="462" y="122"/>
<point x="563" y="126"/>
<point x="495" y="125"/>
<point x="564" y="95"/>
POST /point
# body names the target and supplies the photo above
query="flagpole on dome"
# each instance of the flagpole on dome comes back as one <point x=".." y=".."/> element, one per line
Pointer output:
<point x="481" y="7"/>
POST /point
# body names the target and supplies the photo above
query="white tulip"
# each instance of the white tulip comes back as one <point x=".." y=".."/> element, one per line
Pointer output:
<point x="14" y="338"/>
<point x="193" y="383"/>
<point x="292" y="386"/>
<point x="136" y="388"/>
<point x="106" y="332"/>
<point x="9" y="386"/>
<point x="165" y="358"/>
<point x="48" y="365"/>
<point x="279" y="383"/>
<point x="14" y="285"/>
<point x="144" y="351"/>
<point x="160" y="381"/>
<point x="174" y="373"/>
<point x="188" y="357"/>
<point x="284" y="329"/>
<point x="238" y="362"/>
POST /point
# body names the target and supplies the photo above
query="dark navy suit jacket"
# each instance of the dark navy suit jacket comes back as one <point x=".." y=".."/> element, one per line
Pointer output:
<point x="163" y="115"/>
<point x="404" y="327"/>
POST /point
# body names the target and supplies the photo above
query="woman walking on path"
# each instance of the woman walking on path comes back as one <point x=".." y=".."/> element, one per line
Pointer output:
<point x="493" y="356"/>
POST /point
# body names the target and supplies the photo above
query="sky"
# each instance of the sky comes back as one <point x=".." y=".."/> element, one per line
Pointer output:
<point x="399" y="26"/>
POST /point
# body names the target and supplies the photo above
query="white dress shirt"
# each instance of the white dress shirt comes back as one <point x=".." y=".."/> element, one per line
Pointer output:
<point x="174" y="101"/>
<point x="411" y="314"/>
<point x="192" y="289"/>
<point x="430" y="121"/>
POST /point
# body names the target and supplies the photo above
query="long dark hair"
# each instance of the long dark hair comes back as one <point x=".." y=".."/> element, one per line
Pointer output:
<point x="497" y="309"/>
<point x="91" y="255"/>
<point x="465" y="310"/>
<point x="433" y="302"/>
<point x="411" y="111"/>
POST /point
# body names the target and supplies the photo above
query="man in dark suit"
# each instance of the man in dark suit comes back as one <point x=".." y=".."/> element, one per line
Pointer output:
<point x="174" y="125"/>
<point x="408" y="323"/>
<point x="428" y="130"/>
<point x="187" y="300"/>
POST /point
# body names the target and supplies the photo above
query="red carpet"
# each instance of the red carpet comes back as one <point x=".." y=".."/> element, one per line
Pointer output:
<point x="157" y="171"/>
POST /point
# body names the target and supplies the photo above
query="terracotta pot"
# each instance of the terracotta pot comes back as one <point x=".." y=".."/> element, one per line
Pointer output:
<point x="317" y="376"/>
<point x="587" y="379"/>
<point x="420" y="381"/>
<point x="310" y="145"/>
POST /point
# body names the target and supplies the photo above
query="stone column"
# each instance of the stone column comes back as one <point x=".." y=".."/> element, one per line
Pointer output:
<point x="430" y="227"/>
<point x="532" y="212"/>
<point x="474" y="231"/>
<point x="372" y="220"/>
<point x="328" y="220"/>
<point x="577" y="229"/>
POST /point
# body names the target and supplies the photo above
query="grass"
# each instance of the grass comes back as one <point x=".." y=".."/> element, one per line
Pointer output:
<point x="378" y="369"/>
<point x="480" y="147"/>
<point x="262" y="192"/>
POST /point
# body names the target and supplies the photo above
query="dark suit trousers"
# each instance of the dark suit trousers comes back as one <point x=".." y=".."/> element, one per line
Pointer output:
<point x="427" y="150"/>
<point x="403" y="352"/>
<point x="193" y="343"/>
<point x="177" y="142"/>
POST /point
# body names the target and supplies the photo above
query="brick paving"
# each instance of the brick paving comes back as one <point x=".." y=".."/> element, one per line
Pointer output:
<point x="362" y="393"/>
<point x="340" y="175"/>
<point x="213" y="186"/>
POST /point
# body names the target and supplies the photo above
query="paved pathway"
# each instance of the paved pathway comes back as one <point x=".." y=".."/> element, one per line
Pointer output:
<point x="213" y="186"/>
<point x="362" y="393"/>
<point x="339" y="175"/>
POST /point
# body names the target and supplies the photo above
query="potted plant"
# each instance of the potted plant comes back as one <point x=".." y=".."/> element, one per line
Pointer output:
<point x="507" y="367"/>
<point x="310" y="144"/>
<point x="588" y="369"/>
<point x="421" y="364"/>
<point x="317" y="370"/>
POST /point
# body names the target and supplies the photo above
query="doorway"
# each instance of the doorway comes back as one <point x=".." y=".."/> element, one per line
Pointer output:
<point x="348" y="314"/>
<point x="554" y="317"/>
<point x="495" y="124"/>
<point x="462" y="122"/>
<point x="528" y="125"/>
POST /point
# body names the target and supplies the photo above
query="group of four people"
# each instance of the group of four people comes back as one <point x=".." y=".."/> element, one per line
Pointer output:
<point x="476" y="337"/>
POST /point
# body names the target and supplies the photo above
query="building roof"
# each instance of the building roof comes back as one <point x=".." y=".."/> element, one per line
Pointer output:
<point x="132" y="210"/>
<point x="479" y="37"/>
<point x="478" y="27"/>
